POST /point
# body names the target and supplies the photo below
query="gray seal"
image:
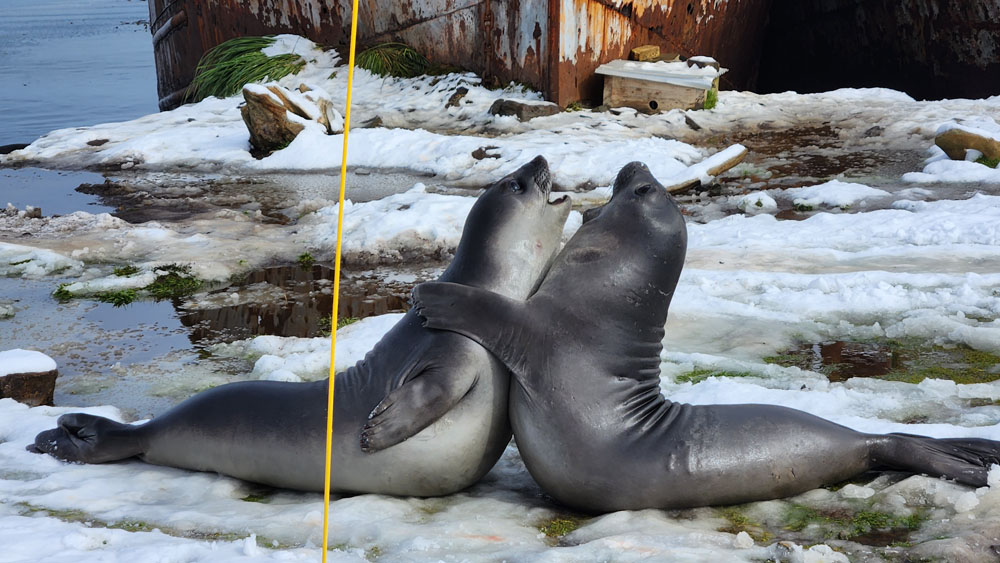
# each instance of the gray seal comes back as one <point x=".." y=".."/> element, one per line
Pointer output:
<point x="589" y="419"/>
<point x="423" y="414"/>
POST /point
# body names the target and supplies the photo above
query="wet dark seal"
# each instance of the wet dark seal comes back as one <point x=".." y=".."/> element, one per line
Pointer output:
<point x="588" y="416"/>
<point x="424" y="413"/>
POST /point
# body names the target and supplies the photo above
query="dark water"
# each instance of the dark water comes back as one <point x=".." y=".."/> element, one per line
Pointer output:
<point x="70" y="63"/>
<point x="54" y="191"/>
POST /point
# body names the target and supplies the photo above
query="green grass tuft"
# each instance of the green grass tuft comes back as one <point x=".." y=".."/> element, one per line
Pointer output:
<point x="118" y="298"/>
<point x="175" y="282"/>
<point x="126" y="271"/>
<point x="711" y="99"/>
<point x="61" y="294"/>
<point x="305" y="260"/>
<point x="392" y="59"/>
<point x="227" y="67"/>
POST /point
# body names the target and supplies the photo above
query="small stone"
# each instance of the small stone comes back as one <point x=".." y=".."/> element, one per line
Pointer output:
<point x="32" y="212"/>
<point x="481" y="153"/>
<point x="743" y="541"/>
<point x="524" y="109"/>
<point x="875" y="131"/>
<point x="460" y="93"/>
<point x="691" y="123"/>
<point x="954" y="142"/>
<point x="97" y="142"/>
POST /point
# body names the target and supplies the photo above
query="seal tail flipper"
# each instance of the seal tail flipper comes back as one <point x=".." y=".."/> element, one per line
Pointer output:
<point x="86" y="438"/>
<point x="965" y="460"/>
<point x="410" y="408"/>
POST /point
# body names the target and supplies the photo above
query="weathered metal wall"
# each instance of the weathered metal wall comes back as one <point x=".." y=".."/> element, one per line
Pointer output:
<point x="448" y="31"/>
<point x="553" y="45"/>
<point x="927" y="48"/>
<point x="592" y="32"/>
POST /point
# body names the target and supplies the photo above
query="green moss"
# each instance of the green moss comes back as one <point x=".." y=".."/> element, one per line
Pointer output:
<point x="227" y="67"/>
<point x="560" y="526"/>
<point x="174" y="282"/>
<point x="802" y="207"/>
<point x="392" y="59"/>
<point x="126" y="271"/>
<point x="740" y="522"/>
<point x="344" y="321"/>
<point x="574" y="106"/>
<point x="711" y="98"/>
<point x="19" y="262"/>
<point x="305" y="260"/>
<point x="373" y="553"/>
<point x="991" y="162"/>
<point x="261" y="498"/>
<point x="701" y="374"/>
<point x="843" y="524"/>
<point x="911" y="361"/>
<point x="61" y="294"/>
<point x="118" y="298"/>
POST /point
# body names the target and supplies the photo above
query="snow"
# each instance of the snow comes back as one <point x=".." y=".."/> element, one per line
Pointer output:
<point x="832" y="194"/>
<point x="891" y="265"/>
<point x="24" y="361"/>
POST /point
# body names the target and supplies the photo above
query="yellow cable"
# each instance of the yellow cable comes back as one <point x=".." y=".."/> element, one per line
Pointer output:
<point x="336" y="284"/>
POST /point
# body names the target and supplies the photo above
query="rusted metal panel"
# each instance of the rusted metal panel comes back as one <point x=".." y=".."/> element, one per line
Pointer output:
<point x="592" y="32"/>
<point x="928" y="48"/>
<point x="447" y="31"/>
<point x="553" y="45"/>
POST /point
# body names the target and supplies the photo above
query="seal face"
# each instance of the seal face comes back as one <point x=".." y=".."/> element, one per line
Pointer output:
<point x="586" y="409"/>
<point x="424" y="413"/>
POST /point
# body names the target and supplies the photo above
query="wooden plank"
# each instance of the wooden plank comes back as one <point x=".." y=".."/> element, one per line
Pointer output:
<point x="644" y="53"/>
<point x="650" y="97"/>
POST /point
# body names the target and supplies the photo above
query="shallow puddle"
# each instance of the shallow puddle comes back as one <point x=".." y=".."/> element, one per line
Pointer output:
<point x="53" y="191"/>
<point x="905" y="360"/>
<point x="293" y="301"/>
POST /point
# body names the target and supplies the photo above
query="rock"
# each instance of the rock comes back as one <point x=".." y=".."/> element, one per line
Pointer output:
<point x="268" y="120"/>
<point x="275" y="115"/>
<point x="372" y="123"/>
<point x="460" y="93"/>
<point x="97" y="142"/>
<point x="875" y="131"/>
<point x="32" y="212"/>
<point x="524" y="109"/>
<point x="954" y="142"/>
<point x="27" y="376"/>
<point x="7" y="149"/>
<point x="691" y="123"/>
<point x="483" y="152"/>
<point x="644" y="53"/>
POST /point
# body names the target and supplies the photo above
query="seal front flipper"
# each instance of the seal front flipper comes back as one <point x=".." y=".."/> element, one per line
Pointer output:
<point x="86" y="438"/>
<point x="497" y="323"/>
<point x="416" y="404"/>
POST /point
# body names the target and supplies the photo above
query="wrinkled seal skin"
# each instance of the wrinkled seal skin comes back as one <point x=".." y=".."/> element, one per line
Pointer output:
<point x="588" y="416"/>
<point x="423" y="414"/>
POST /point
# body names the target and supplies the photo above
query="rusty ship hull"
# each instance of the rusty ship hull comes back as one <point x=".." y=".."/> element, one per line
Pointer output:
<point x="928" y="48"/>
<point x="552" y="45"/>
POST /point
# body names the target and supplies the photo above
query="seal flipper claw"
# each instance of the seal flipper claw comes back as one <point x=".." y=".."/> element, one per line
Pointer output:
<point x="415" y="405"/>
<point x="86" y="438"/>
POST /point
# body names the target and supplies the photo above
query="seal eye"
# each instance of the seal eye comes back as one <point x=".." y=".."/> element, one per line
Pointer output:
<point x="514" y="186"/>
<point x="644" y="189"/>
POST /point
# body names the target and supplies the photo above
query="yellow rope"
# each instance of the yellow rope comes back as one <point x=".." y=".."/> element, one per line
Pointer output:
<point x="336" y="284"/>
